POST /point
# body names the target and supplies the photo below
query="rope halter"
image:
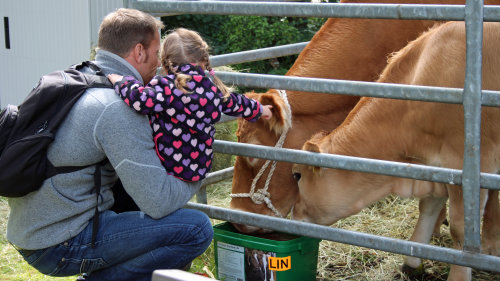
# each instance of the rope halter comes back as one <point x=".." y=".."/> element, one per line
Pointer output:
<point x="261" y="195"/>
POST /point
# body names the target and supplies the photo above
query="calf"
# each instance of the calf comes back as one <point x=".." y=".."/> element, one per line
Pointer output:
<point x="413" y="132"/>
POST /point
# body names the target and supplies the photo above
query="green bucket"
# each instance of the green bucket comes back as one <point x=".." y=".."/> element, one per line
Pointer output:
<point x="270" y="257"/>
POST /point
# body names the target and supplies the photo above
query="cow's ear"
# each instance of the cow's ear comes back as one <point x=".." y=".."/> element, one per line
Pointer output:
<point x="311" y="146"/>
<point x="316" y="169"/>
<point x="281" y="119"/>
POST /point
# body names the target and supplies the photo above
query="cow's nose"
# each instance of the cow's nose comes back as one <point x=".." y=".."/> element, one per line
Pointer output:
<point x="248" y="229"/>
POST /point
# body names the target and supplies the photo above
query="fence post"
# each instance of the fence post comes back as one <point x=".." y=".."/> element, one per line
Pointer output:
<point x="472" y="124"/>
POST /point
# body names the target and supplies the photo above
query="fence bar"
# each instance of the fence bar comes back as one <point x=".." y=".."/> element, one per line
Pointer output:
<point x="472" y="125"/>
<point x="256" y="55"/>
<point x="256" y="0"/>
<point x="217" y="176"/>
<point x="355" y="88"/>
<point x="201" y="195"/>
<point x="226" y="118"/>
<point x="382" y="167"/>
<point x="476" y="260"/>
<point x="325" y="10"/>
<point x="177" y="275"/>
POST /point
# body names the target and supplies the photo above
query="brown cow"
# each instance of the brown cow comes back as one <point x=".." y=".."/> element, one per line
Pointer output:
<point x="413" y="132"/>
<point x="349" y="49"/>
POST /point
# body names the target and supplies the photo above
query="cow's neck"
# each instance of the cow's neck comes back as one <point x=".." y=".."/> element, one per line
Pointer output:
<point x="353" y="49"/>
<point x="347" y="49"/>
<point x="355" y="137"/>
<point x="401" y="136"/>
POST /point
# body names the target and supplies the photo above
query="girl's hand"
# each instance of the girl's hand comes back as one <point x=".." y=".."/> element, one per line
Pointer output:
<point x="266" y="112"/>
<point x="114" y="78"/>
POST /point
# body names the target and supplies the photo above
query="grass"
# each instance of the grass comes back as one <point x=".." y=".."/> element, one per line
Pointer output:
<point x="14" y="268"/>
<point x="393" y="217"/>
<point x="12" y="265"/>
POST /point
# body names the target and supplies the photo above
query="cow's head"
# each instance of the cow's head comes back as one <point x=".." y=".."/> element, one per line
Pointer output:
<point x="282" y="188"/>
<point x="327" y="195"/>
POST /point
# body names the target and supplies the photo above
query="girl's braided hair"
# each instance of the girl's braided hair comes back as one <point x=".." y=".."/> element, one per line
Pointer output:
<point x="183" y="46"/>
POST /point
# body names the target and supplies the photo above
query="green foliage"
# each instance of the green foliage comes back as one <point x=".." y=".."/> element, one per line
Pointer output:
<point x="228" y="34"/>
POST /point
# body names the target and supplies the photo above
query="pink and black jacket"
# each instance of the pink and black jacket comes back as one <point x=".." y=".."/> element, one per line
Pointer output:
<point x="183" y="123"/>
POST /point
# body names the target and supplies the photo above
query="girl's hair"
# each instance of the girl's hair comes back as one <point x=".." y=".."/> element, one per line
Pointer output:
<point x="183" y="46"/>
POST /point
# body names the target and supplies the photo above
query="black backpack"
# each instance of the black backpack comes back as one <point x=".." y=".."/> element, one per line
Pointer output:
<point x="27" y="130"/>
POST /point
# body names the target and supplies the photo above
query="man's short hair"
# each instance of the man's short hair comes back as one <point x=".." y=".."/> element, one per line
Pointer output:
<point x="122" y="29"/>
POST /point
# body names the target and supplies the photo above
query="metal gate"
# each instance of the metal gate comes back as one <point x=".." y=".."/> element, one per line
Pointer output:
<point x="470" y="178"/>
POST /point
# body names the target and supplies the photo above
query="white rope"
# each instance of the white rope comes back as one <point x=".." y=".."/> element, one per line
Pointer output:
<point x="262" y="195"/>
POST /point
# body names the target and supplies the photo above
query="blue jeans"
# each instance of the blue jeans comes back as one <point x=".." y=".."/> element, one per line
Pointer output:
<point x="129" y="246"/>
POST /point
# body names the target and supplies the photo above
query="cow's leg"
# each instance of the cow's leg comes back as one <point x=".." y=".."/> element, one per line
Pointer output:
<point x="491" y="225"/>
<point x="440" y="221"/>
<point x="456" y="210"/>
<point x="429" y="211"/>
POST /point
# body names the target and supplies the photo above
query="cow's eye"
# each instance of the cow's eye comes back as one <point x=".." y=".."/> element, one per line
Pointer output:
<point x="296" y="176"/>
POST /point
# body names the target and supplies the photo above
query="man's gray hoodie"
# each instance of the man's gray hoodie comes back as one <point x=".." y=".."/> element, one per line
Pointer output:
<point x="99" y="126"/>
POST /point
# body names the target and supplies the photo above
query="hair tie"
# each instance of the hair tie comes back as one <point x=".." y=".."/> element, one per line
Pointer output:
<point x="212" y="72"/>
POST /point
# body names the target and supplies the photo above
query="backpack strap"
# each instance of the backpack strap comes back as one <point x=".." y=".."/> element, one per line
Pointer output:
<point x="52" y="171"/>
<point x="96" y="69"/>
<point x="98" y="79"/>
<point x="97" y="187"/>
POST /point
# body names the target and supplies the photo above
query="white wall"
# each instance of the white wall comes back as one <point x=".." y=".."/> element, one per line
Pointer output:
<point x="98" y="10"/>
<point x="45" y="35"/>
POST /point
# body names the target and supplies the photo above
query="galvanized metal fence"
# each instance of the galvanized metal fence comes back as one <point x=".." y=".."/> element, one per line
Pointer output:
<point x="470" y="178"/>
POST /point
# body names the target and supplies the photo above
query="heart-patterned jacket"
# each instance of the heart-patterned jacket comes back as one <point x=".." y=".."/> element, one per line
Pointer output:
<point x="184" y="123"/>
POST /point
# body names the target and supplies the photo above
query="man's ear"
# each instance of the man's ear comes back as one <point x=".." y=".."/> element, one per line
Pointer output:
<point x="136" y="55"/>
<point x="139" y="53"/>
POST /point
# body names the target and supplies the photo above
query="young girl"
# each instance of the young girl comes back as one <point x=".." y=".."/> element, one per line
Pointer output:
<point x="184" y="105"/>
